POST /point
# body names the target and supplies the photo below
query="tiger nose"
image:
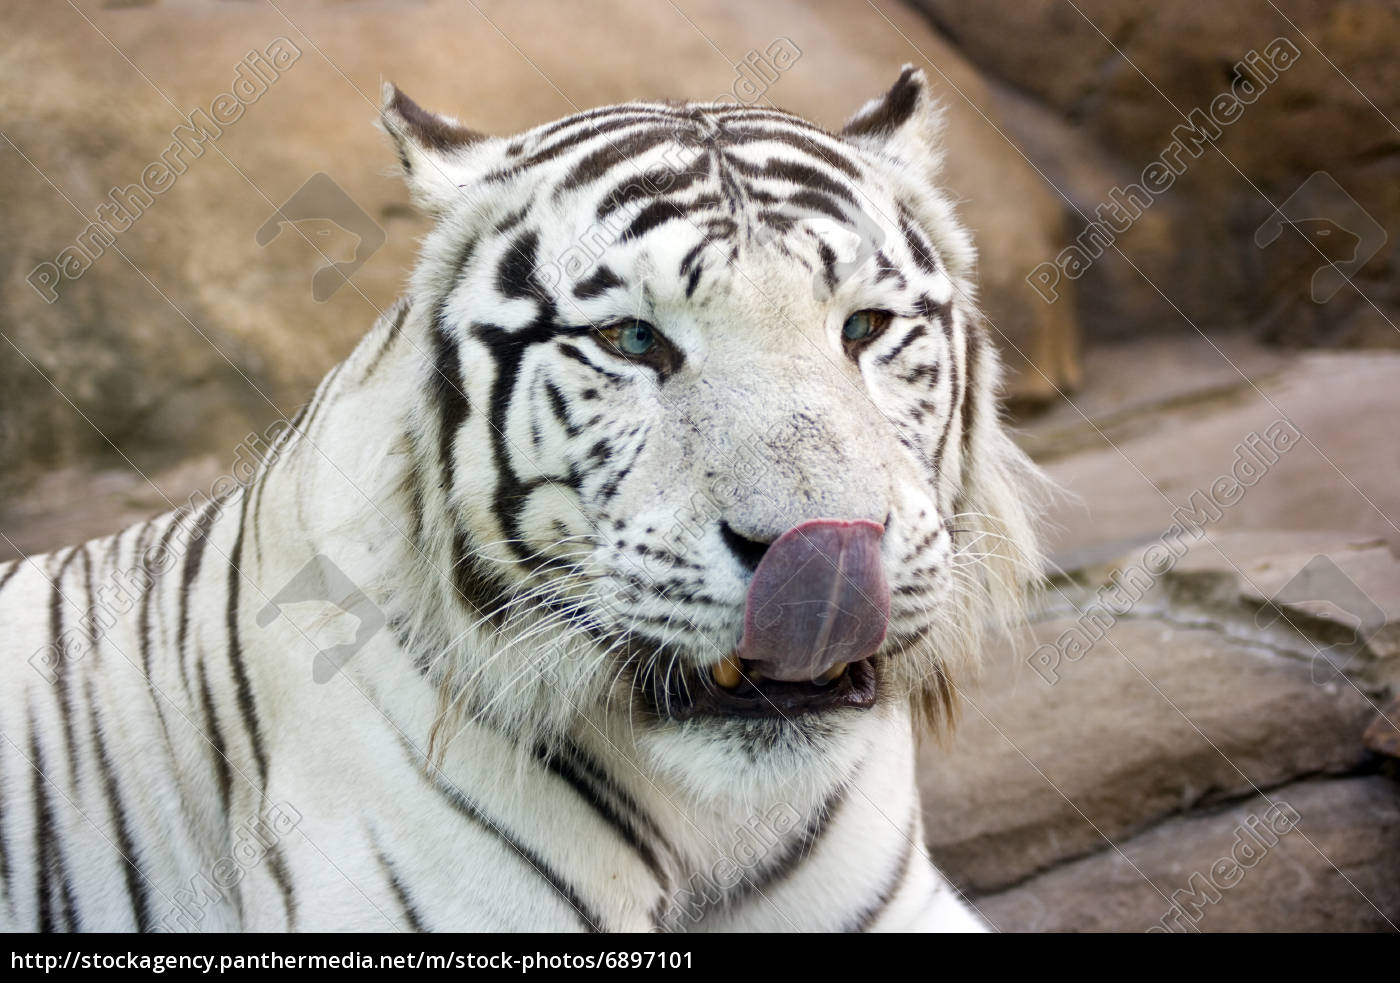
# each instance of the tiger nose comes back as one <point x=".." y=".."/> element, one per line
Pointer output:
<point x="818" y="598"/>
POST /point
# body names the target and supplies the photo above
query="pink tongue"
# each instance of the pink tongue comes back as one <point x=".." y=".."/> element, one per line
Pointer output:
<point x="818" y="597"/>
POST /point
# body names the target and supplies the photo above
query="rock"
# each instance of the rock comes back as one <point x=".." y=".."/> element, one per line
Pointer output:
<point x="1112" y="82"/>
<point x="1132" y="469"/>
<point x="194" y="326"/>
<point x="1157" y="719"/>
<point x="1383" y="736"/>
<point x="1337" y="869"/>
<point x="1326" y="599"/>
<point x="1158" y="685"/>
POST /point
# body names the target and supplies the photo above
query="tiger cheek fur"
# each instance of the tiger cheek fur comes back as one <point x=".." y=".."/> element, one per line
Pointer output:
<point x="644" y="347"/>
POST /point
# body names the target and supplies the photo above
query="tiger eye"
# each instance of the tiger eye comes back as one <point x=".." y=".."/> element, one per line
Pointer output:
<point x="636" y="338"/>
<point x="864" y="324"/>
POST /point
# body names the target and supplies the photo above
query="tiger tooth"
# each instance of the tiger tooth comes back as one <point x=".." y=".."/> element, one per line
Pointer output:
<point x="727" y="672"/>
<point x="833" y="674"/>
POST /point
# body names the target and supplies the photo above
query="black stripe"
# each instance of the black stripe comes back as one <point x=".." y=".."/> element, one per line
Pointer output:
<point x="194" y="553"/>
<point x="50" y="863"/>
<point x="135" y="880"/>
<point x="246" y="705"/>
<point x="797" y="850"/>
<point x="656" y="214"/>
<point x="599" y="120"/>
<point x="804" y="142"/>
<point x="693" y="254"/>
<point x="515" y="274"/>
<point x="277" y="863"/>
<point x="693" y="280"/>
<point x="406" y="905"/>
<point x="610" y="801"/>
<point x="871" y="914"/>
<point x="829" y="259"/>
<point x="801" y="174"/>
<point x="318" y="402"/>
<point x="957" y="390"/>
<point x="573" y="352"/>
<point x="452" y="403"/>
<point x="43" y="832"/>
<point x="414" y="480"/>
<point x="481" y="591"/>
<point x="601" y="280"/>
<point x="507" y="349"/>
<point x="512" y="220"/>
<point x="298" y="426"/>
<point x="915" y="333"/>
<point x="768" y="114"/>
<point x="892" y="112"/>
<point x="558" y="147"/>
<point x="918" y="245"/>
<point x="392" y="337"/>
<point x="654" y="183"/>
<point x="63" y="670"/>
<point x="560" y="408"/>
<point x="94" y="626"/>
<point x="969" y="395"/>
<point x="148" y="597"/>
<point x="590" y="919"/>
<point x="596" y="164"/>
<point x="215" y="737"/>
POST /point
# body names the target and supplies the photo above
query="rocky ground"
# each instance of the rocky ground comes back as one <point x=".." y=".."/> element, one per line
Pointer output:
<point x="1105" y="786"/>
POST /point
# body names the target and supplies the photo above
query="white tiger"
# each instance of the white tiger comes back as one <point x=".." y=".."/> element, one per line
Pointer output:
<point x="653" y="523"/>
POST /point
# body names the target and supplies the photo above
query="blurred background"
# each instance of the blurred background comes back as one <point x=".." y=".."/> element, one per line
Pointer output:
<point x="1187" y="217"/>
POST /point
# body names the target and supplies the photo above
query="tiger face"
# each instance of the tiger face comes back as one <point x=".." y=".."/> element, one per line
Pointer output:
<point x="714" y="415"/>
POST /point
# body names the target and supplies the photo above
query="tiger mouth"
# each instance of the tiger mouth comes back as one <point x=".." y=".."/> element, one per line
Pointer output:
<point x="736" y="688"/>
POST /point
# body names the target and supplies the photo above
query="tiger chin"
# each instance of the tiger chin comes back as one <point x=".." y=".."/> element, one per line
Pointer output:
<point x="606" y="586"/>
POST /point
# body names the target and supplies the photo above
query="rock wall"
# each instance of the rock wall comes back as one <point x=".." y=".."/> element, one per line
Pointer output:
<point x="1305" y="123"/>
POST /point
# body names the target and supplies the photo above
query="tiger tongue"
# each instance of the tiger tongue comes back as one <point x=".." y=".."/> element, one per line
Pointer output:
<point x="818" y="598"/>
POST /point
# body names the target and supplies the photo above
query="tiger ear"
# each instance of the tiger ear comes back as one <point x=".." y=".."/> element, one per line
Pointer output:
<point x="906" y="122"/>
<point x="433" y="150"/>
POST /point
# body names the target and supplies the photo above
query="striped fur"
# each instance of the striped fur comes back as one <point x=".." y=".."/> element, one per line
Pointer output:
<point x="511" y="533"/>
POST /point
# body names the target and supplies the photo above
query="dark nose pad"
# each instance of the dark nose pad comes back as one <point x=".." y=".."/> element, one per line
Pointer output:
<point x="747" y="551"/>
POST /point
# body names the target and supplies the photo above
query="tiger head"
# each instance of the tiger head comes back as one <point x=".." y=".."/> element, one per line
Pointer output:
<point x="711" y="421"/>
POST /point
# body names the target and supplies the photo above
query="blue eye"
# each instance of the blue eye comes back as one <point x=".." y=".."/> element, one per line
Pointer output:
<point x="864" y="324"/>
<point x="636" y="338"/>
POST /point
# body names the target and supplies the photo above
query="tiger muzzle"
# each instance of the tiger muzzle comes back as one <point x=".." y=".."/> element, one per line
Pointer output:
<point x="816" y="612"/>
<point x="818" y="601"/>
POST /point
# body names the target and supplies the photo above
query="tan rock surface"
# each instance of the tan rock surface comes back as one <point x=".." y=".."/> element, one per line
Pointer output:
<point x="1337" y="870"/>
